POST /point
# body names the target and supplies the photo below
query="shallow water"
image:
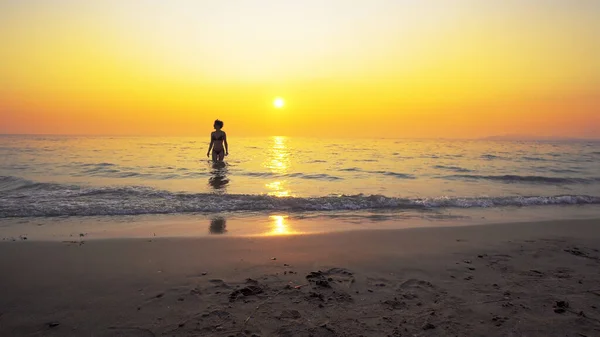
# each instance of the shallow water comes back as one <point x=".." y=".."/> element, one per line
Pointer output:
<point x="48" y="176"/>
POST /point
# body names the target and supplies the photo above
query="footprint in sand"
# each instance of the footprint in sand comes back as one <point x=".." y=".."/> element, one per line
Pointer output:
<point x="415" y="290"/>
<point x="219" y="283"/>
<point x="331" y="277"/>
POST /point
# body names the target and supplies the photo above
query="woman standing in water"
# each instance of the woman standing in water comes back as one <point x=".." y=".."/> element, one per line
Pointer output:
<point x="218" y="138"/>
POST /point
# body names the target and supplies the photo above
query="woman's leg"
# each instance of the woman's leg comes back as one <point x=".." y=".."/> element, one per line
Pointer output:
<point x="221" y="155"/>
<point x="218" y="155"/>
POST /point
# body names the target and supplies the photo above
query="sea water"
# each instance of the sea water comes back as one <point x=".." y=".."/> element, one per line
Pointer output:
<point x="109" y="179"/>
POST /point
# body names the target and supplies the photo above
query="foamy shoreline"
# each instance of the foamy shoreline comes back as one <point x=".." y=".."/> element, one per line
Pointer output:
<point x="275" y="223"/>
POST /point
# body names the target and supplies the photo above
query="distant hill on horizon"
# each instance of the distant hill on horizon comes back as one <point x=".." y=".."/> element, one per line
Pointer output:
<point x="517" y="137"/>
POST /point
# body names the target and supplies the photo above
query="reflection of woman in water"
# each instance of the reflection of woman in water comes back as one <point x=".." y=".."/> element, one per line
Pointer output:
<point x="218" y="180"/>
<point x="218" y="138"/>
<point x="218" y="225"/>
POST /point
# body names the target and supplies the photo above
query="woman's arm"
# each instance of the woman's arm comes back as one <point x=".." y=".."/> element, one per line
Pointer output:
<point x="210" y="146"/>
<point x="225" y="142"/>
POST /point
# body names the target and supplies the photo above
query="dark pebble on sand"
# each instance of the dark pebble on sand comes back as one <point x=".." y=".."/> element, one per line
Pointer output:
<point x="480" y="256"/>
<point x="428" y="326"/>
<point x="323" y="283"/>
<point x="559" y="310"/>
<point x="575" y="251"/>
<point x="273" y="258"/>
<point x="160" y="295"/>
<point x="314" y="274"/>
<point x="321" y="305"/>
<point x="467" y="261"/>
<point x="562" y="304"/>
<point x="316" y="295"/>
<point x="53" y="324"/>
<point x="471" y="268"/>
<point x="286" y="265"/>
<point x="369" y="290"/>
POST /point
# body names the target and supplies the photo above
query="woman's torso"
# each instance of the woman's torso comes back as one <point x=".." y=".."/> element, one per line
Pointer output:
<point x="218" y="137"/>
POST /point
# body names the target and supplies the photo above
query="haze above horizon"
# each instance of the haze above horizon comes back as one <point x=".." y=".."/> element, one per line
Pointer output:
<point x="402" y="69"/>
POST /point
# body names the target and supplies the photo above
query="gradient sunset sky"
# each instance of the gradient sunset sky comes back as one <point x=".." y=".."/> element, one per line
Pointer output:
<point x="418" y="68"/>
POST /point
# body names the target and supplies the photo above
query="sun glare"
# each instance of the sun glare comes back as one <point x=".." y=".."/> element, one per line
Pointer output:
<point x="279" y="225"/>
<point x="278" y="103"/>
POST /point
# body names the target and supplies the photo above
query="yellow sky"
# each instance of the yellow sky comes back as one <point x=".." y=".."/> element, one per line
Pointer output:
<point x="420" y="68"/>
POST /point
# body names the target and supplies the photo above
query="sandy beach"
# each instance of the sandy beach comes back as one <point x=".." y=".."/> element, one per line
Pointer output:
<point x="300" y="168"/>
<point x="520" y="279"/>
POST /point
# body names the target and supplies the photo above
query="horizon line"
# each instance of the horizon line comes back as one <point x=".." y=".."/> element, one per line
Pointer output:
<point x="509" y="137"/>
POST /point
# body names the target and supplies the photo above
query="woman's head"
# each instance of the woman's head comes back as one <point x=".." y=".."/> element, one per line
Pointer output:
<point x="218" y="124"/>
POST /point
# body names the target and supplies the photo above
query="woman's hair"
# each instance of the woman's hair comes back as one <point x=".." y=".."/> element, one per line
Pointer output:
<point x="219" y="123"/>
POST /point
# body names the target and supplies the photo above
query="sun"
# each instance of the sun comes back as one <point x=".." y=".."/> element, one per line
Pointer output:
<point x="278" y="102"/>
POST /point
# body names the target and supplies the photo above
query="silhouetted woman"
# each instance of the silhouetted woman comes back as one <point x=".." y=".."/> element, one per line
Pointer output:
<point x="218" y="138"/>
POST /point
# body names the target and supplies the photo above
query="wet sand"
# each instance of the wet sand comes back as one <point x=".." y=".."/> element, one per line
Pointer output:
<point x="520" y="279"/>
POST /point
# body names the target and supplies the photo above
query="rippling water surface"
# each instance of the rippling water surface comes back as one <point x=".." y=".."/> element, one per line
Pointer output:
<point x="45" y="176"/>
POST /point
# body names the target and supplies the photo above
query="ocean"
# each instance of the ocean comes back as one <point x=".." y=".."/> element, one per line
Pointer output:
<point x="369" y="183"/>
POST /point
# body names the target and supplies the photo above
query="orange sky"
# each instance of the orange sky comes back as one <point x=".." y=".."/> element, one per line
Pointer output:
<point x="429" y="68"/>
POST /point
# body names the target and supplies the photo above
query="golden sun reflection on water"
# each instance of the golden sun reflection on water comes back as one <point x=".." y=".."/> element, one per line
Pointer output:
<point x="278" y="162"/>
<point x="277" y="190"/>
<point x="280" y="226"/>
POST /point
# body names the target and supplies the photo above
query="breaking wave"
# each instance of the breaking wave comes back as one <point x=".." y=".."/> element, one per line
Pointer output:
<point x="23" y="198"/>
